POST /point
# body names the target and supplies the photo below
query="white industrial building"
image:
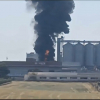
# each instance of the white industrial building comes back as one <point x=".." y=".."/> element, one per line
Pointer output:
<point x="32" y="55"/>
<point x="63" y="76"/>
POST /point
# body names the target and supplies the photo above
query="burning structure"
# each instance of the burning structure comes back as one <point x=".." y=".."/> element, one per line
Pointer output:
<point x="46" y="55"/>
<point x="50" y="18"/>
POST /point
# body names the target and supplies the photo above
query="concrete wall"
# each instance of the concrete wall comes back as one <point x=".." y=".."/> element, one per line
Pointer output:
<point x="21" y="71"/>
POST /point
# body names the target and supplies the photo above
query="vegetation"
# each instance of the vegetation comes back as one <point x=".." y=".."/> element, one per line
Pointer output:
<point x="4" y="71"/>
<point x="2" y="80"/>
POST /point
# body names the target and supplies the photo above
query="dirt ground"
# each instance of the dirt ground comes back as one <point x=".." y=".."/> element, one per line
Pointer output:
<point x="47" y="90"/>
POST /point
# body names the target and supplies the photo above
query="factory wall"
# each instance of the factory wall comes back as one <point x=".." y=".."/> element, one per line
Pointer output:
<point x="61" y="76"/>
<point x="21" y="71"/>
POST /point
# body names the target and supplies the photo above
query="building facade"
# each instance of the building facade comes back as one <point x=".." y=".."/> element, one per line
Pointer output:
<point x="20" y="68"/>
<point x="32" y="55"/>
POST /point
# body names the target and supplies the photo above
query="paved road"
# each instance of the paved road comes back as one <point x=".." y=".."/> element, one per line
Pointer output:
<point x="47" y="90"/>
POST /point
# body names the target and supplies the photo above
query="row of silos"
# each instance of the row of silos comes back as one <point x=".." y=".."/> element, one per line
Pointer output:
<point x="88" y="55"/>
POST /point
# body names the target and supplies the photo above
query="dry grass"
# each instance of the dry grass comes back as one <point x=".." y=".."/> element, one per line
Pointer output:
<point x="47" y="90"/>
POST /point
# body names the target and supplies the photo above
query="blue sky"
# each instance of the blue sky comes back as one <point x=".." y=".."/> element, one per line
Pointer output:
<point x="17" y="35"/>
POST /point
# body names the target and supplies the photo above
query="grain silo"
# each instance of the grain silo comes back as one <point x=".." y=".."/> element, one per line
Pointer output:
<point x="89" y="55"/>
<point x="98" y="55"/>
<point x="79" y="53"/>
<point x="68" y="52"/>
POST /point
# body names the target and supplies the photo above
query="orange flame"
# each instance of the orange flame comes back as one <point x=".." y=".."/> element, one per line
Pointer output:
<point x="46" y="54"/>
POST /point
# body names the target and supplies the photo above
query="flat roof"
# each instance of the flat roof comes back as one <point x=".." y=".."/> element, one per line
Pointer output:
<point x="37" y="64"/>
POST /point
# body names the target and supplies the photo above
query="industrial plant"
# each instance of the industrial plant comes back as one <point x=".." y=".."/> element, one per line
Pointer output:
<point x="87" y="53"/>
<point x="79" y="62"/>
<point x="76" y="61"/>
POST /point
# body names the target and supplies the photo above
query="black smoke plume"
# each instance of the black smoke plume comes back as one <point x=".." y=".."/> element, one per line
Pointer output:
<point x="50" y="18"/>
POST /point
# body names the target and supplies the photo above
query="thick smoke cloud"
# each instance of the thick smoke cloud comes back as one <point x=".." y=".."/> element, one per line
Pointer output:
<point x="51" y="18"/>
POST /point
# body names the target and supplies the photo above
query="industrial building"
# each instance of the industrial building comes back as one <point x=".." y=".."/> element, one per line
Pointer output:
<point x="63" y="76"/>
<point x="87" y="53"/>
<point x="20" y="68"/>
<point x="32" y="55"/>
<point x="75" y="57"/>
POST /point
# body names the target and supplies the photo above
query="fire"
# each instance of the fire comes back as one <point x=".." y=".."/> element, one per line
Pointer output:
<point x="45" y="59"/>
<point x="46" y="54"/>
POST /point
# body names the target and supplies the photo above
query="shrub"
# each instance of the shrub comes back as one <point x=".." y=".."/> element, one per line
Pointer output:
<point x="4" y="71"/>
<point x="4" y="80"/>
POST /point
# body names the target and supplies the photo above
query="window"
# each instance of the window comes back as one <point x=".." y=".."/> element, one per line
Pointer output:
<point x="52" y="77"/>
<point x="83" y="78"/>
<point x="73" y="77"/>
<point x="94" y="78"/>
<point x="63" y="77"/>
<point x="42" y="77"/>
<point x="32" y="77"/>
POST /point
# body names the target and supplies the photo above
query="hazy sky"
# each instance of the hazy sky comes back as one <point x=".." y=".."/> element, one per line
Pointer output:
<point x="17" y="35"/>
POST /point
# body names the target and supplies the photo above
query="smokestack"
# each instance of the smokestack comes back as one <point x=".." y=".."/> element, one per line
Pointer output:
<point x="50" y="18"/>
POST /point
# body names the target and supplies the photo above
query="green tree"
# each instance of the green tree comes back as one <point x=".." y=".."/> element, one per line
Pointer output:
<point x="4" y="71"/>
